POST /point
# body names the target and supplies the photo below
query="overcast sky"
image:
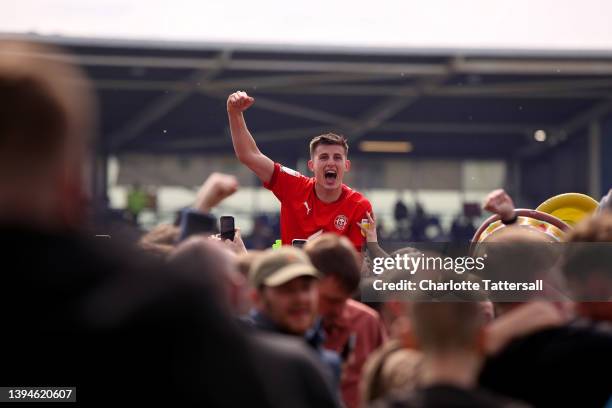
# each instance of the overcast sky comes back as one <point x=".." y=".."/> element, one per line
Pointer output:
<point x="540" y="24"/>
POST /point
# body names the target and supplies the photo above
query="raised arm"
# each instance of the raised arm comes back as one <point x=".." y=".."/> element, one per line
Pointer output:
<point x="244" y="145"/>
<point x="499" y="202"/>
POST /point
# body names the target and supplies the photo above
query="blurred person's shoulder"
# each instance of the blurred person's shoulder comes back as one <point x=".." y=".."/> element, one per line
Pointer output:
<point x="291" y="371"/>
<point x="574" y="345"/>
<point x="91" y="306"/>
<point x="364" y="322"/>
<point x="292" y="349"/>
<point x="581" y="335"/>
<point x="41" y="252"/>
<point x="55" y="268"/>
<point x="552" y="360"/>
<point x="447" y="396"/>
<point x="355" y="308"/>
<point x="390" y="367"/>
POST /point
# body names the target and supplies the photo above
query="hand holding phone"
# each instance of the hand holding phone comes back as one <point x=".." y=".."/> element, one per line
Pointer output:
<point x="194" y="222"/>
<point x="298" y="243"/>
<point x="228" y="228"/>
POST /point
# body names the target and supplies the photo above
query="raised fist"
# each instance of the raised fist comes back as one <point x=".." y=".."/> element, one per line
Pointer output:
<point x="499" y="202"/>
<point x="239" y="102"/>
<point x="216" y="188"/>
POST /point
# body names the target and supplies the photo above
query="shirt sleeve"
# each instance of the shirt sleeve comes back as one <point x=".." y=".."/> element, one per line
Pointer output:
<point x="354" y="233"/>
<point x="285" y="181"/>
<point x="382" y="332"/>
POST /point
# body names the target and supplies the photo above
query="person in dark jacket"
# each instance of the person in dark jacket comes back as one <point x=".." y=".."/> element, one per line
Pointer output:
<point x="92" y="313"/>
<point x="449" y="335"/>
<point x="285" y="297"/>
<point x="561" y="366"/>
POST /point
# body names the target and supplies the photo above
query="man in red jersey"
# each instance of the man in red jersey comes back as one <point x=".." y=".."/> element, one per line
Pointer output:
<point x="309" y="205"/>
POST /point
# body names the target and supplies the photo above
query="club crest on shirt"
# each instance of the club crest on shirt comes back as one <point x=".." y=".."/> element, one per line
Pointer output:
<point x="340" y="222"/>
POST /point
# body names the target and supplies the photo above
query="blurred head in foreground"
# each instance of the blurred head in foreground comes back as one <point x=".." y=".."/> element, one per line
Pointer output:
<point x="587" y="266"/>
<point x="446" y="327"/>
<point x="450" y="336"/>
<point x="518" y="254"/>
<point x="205" y="258"/>
<point x="46" y="118"/>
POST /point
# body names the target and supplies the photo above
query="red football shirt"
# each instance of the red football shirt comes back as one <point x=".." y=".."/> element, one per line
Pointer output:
<point x="366" y="325"/>
<point x="303" y="214"/>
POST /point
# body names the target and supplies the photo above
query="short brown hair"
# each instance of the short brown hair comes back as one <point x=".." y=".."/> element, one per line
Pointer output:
<point x="328" y="139"/>
<point x="334" y="255"/>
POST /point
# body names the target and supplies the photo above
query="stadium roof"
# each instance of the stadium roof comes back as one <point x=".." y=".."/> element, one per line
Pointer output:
<point x="169" y="97"/>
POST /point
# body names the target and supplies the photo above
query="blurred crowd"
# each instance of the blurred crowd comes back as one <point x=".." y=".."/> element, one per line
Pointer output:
<point x="185" y="315"/>
<point x="410" y="224"/>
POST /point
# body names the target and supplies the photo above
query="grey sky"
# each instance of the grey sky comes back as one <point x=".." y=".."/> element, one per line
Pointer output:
<point x="542" y="24"/>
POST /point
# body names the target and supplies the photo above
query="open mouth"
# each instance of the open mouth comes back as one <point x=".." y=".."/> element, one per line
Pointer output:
<point x="330" y="175"/>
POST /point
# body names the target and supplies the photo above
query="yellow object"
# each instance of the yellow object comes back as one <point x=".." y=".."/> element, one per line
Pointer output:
<point x="553" y="232"/>
<point x="365" y="223"/>
<point x="569" y="207"/>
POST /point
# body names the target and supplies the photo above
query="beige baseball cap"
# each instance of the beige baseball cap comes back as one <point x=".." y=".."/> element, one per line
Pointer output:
<point x="275" y="267"/>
